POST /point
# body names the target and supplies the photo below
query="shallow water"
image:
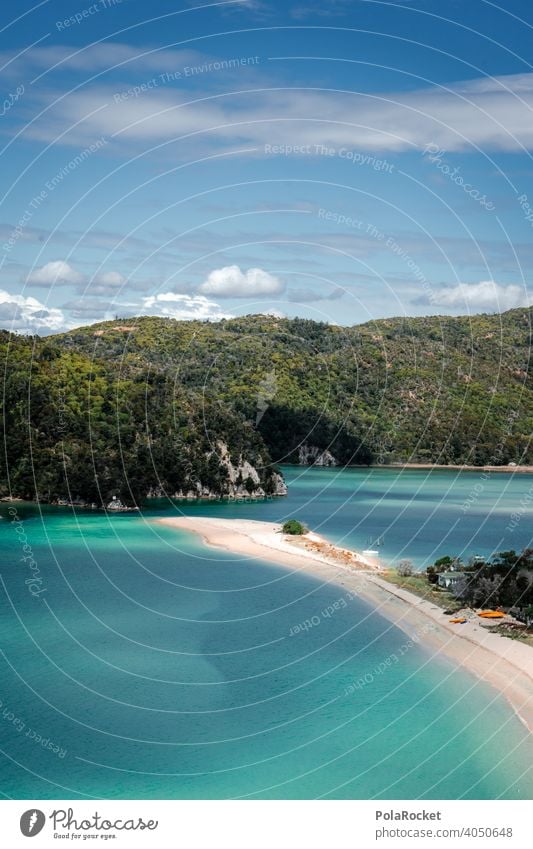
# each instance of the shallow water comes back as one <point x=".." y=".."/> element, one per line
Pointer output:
<point x="150" y="666"/>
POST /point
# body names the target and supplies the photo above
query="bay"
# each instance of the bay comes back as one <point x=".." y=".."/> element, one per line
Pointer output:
<point x="152" y="666"/>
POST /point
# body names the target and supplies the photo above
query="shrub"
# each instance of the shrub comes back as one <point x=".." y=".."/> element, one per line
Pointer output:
<point x="294" y="528"/>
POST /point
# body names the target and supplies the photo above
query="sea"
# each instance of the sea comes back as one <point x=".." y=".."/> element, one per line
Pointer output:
<point x="138" y="663"/>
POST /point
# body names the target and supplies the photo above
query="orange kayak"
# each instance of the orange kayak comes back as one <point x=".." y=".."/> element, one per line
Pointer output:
<point x="491" y="614"/>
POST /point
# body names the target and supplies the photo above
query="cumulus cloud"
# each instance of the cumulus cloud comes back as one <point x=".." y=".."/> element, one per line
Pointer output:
<point x="60" y="273"/>
<point x="231" y="282"/>
<point x="111" y="278"/>
<point x="28" y="315"/>
<point x="486" y="295"/>
<point x="107" y="283"/>
<point x="182" y="307"/>
<point x="54" y="273"/>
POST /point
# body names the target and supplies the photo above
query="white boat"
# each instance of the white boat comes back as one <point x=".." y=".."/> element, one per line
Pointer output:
<point x="373" y="552"/>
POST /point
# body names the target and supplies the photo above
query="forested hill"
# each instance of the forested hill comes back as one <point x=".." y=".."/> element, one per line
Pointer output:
<point x="146" y="406"/>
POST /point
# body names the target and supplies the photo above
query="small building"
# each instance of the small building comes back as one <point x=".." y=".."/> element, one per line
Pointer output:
<point x="449" y="580"/>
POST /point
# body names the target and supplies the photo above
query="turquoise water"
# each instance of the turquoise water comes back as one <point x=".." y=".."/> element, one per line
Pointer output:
<point x="149" y="666"/>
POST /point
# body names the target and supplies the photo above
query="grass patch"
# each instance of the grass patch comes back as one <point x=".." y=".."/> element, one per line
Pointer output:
<point x="513" y="633"/>
<point x="419" y="585"/>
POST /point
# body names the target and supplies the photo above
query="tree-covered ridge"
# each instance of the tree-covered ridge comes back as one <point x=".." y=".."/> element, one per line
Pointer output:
<point x="85" y="429"/>
<point x="144" y="405"/>
<point x="437" y="389"/>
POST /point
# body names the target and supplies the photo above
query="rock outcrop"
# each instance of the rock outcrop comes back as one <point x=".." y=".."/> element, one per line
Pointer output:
<point x="243" y="481"/>
<point x="311" y="455"/>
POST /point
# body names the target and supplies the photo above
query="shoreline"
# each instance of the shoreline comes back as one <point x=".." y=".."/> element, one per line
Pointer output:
<point x="505" y="664"/>
<point x="510" y="470"/>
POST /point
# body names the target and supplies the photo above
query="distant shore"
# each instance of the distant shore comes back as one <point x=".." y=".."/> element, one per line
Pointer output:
<point x="505" y="664"/>
<point x="510" y="470"/>
<point x="525" y="470"/>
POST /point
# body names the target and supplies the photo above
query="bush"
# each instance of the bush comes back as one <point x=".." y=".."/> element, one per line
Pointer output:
<point x="294" y="528"/>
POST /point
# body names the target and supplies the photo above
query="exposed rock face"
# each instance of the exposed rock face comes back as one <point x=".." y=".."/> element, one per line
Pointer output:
<point x="243" y="481"/>
<point x="156" y="492"/>
<point x="310" y="455"/>
<point x="279" y="484"/>
<point x="116" y="506"/>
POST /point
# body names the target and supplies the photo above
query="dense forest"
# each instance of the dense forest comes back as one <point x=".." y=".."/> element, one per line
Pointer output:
<point x="146" y="406"/>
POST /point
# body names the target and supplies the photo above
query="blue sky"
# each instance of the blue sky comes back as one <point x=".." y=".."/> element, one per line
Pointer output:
<point x="336" y="160"/>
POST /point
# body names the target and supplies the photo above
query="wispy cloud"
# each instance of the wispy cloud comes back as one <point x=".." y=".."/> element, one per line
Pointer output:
<point x="103" y="56"/>
<point x="87" y="309"/>
<point x="306" y="295"/>
<point x="493" y="113"/>
<point x="334" y="8"/>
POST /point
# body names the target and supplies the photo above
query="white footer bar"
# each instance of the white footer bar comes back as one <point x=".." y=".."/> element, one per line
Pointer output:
<point x="267" y="824"/>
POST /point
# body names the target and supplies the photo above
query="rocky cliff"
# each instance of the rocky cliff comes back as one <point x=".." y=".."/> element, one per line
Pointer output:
<point x="311" y="455"/>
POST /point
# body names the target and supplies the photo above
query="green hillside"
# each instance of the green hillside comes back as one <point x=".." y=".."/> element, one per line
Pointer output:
<point x="149" y="406"/>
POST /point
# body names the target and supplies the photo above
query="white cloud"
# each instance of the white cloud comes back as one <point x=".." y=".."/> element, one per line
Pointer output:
<point x="100" y="56"/>
<point x="111" y="278"/>
<point x="182" y="307"/>
<point x="60" y="273"/>
<point x="494" y="113"/>
<point x="106" y="283"/>
<point x="486" y="295"/>
<point x="231" y="282"/>
<point x="274" y="313"/>
<point x="28" y="315"/>
<point x="54" y="274"/>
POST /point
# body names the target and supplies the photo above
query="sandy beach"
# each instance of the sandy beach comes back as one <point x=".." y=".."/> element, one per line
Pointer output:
<point x="505" y="664"/>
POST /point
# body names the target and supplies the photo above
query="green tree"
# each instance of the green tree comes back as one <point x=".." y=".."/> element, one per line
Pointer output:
<point x="294" y="527"/>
